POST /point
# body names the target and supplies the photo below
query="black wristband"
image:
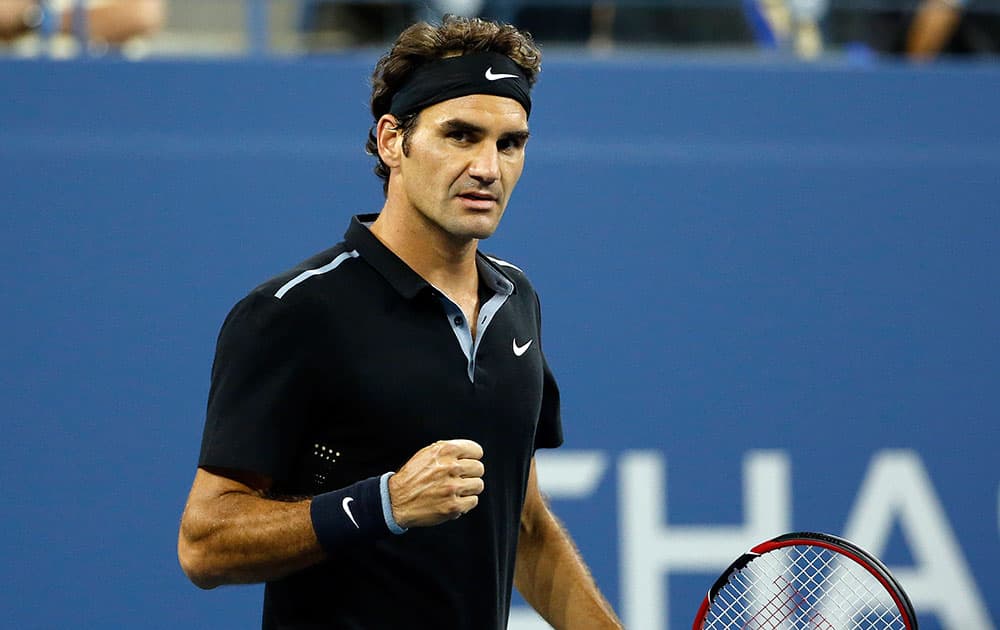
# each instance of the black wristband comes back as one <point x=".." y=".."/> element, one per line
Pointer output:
<point x="349" y="515"/>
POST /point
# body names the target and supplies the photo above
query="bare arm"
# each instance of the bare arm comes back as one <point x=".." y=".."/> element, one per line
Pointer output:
<point x="550" y="573"/>
<point x="932" y="27"/>
<point x="232" y="534"/>
<point x="117" y="22"/>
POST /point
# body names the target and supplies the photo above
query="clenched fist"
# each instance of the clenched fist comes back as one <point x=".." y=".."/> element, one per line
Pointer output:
<point x="440" y="483"/>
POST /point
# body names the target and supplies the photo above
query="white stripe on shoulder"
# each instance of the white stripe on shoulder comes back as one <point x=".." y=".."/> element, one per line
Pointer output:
<point x="504" y="263"/>
<point x="309" y="273"/>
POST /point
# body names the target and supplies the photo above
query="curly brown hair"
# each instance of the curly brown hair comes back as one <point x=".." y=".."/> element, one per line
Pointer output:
<point x="422" y="43"/>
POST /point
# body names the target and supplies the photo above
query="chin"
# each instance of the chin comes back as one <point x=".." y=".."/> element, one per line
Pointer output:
<point x="478" y="228"/>
<point x="473" y="234"/>
<point x="482" y="236"/>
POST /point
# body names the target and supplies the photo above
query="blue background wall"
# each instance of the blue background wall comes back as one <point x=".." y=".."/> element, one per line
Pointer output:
<point x="733" y="259"/>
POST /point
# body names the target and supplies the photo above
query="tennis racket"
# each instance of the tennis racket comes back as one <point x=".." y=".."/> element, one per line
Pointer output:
<point x="806" y="581"/>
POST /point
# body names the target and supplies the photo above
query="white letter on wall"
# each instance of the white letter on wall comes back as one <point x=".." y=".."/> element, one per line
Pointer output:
<point x="652" y="548"/>
<point x="897" y="486"/>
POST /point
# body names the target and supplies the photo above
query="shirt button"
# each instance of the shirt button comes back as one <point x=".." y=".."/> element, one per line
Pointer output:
<point x="458" y="320"/>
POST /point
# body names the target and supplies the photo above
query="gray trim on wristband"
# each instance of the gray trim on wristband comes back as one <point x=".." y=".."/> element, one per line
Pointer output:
<point x="390" y="521"/>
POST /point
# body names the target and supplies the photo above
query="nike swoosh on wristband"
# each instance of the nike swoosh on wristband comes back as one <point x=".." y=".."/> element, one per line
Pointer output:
<point x="347" y="508"/>
<point x="519" y="350"/>
<point x="496" y="77"/>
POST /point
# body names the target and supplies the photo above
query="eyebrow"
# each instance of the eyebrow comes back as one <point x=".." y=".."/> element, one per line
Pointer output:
<point x="520" y="136"/>
<point x="456" y="124"/>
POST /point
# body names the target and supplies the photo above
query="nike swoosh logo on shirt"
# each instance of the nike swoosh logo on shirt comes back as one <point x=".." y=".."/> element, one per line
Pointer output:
<point x="519" y="350"/>
<point x="496" y="77"/>
<point x="347" y="508"/>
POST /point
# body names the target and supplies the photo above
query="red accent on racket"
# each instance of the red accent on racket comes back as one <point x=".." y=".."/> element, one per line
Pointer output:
<point x="806" y="581"/>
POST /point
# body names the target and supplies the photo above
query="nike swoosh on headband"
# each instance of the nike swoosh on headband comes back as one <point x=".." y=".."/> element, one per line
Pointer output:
<point x="496" y="77"/>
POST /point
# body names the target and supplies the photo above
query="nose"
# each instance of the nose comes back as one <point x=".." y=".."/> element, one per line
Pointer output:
<point x="485" y="165"/>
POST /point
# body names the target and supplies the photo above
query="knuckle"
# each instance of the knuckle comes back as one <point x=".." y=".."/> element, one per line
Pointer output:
<point x="451" y="509"/>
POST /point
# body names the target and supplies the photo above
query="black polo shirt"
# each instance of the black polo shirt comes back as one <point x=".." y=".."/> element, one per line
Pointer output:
<point x="344" y="367"/>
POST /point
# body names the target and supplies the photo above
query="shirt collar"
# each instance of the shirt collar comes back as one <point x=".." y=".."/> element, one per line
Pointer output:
<point x="407" y="282"/>
<point x="494" y="277"/>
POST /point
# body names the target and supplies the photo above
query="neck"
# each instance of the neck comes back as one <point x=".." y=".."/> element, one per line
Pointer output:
<point x="445" y="262"/>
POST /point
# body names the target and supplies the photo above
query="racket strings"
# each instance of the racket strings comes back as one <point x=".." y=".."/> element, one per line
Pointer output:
<point x="803" y="588"/>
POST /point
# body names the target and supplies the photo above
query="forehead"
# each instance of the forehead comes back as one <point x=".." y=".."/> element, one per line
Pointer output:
<point x="494" y="113"/>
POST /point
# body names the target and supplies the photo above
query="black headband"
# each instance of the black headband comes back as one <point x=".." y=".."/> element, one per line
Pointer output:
<point x="452" y="77"/>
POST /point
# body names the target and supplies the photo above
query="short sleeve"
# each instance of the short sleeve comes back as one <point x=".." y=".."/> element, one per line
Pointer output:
<point x="259" y="396"/>
<point x="549" y="431"/>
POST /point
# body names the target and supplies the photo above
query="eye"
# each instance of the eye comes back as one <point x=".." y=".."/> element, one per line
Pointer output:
<point x="459" y="135"/>
<point x="509" y="145"/>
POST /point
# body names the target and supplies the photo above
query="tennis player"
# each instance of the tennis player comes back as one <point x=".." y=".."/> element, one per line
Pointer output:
<point x="374" y="412"/>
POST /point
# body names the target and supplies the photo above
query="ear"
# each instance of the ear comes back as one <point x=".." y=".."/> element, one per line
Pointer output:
<point x="390" y="140"/>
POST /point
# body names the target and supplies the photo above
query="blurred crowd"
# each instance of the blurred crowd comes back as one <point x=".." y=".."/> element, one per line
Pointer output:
<point x="918" y="29"/>
<point x="111" y="21"/>
<point x="921" y="33"/>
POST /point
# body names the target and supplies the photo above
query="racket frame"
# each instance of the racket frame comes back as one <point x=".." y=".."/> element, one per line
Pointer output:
<point x="815" y="539"/>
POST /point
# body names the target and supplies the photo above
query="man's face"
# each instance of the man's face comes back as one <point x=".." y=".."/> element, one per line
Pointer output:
<point x="463" y="159"/>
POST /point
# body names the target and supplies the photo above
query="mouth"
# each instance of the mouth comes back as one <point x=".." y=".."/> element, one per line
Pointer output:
<point x="479" y="200"/>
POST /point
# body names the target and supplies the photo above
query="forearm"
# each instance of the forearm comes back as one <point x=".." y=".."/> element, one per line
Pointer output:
<point x="244" y="538"/>
<point x="232" y="533"/>
<point x="553" y="578"/>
